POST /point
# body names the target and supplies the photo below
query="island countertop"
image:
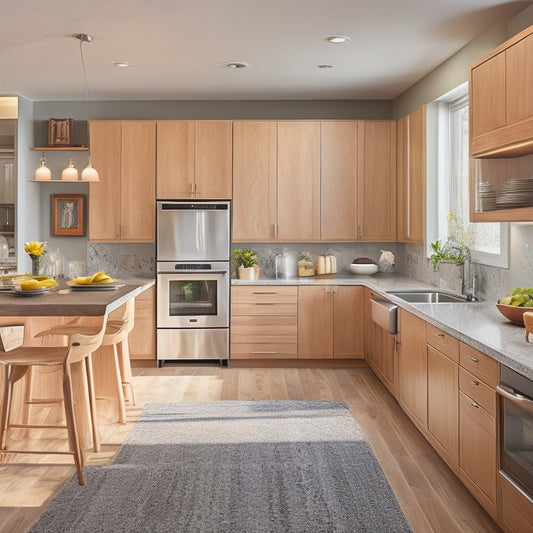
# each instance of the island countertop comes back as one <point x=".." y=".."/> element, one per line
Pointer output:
<point x="65" y="301"/>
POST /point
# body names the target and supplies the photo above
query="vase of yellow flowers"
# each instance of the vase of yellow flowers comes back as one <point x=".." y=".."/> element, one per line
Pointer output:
<point x="35" y="250"/>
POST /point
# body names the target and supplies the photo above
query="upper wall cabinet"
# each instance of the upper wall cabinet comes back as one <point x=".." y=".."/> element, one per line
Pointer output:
<point x="338" y="181"/>
<point x="411" y="176"/>
<point x="121" y="204"/>
<point x="501" y="132"/>
<point x="376" y="189"/>
<point x="298" y="181"/>
<point x="255" y="180"/>
<point x="194" y="159"/>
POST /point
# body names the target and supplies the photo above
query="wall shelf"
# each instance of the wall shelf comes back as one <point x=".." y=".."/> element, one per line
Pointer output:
<point x="61" y="149"/>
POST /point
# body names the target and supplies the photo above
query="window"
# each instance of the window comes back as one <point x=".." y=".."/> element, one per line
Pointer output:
<point x="448" y="182"/>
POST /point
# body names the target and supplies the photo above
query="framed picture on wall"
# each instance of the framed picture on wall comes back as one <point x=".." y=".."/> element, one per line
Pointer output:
<point x="68" y="214"/>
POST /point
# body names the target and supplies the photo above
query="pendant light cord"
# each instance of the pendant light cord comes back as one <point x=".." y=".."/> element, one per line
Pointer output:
<point x="84" y="72"/>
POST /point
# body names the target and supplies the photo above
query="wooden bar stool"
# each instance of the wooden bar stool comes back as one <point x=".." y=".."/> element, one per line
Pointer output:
<point x="19" y="360"/>
<point x="116" y="335"/>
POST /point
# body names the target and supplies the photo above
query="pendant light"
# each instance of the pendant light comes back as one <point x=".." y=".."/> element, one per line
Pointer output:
<point x="70" y="173"/>
<point x="43" y="172"/>
<point x="89" y="173"/>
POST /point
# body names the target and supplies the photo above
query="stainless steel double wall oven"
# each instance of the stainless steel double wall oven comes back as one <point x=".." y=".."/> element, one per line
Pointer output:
<point x="193" y="279"/>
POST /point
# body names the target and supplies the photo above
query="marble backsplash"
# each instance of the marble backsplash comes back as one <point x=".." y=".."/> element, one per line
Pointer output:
<point x="122" y="260"/>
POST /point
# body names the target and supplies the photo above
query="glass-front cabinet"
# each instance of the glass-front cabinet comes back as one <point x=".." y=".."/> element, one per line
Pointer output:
<point x="501" y="132"/>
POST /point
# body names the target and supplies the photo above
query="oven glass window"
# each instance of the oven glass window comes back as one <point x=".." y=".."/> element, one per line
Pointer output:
<point x="192" y="298"/>
<point x="517" y="444"/>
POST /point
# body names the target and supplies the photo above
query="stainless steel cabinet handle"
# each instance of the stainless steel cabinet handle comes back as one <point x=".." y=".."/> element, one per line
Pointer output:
<point x="473" y="359"/>
<point x="441" y="335"/>
<point x="265" y="303"/>
<point x="474" y="382"/>
<point x="263" y="352"/>
<point x="264" y="292"/>
<point x="473" y="404"/>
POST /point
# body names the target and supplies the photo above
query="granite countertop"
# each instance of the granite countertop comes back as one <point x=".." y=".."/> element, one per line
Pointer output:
<point x="65" y="301"/>
<point x="478" y="324"/>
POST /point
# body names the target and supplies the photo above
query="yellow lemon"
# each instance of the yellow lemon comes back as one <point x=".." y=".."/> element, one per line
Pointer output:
<point x="48" y="283"/>
<point x="30" y="285"/>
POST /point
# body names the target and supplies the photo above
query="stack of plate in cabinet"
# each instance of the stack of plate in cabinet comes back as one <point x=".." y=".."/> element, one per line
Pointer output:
<point x="517" y="192"/>
<point x="486" y="196"/>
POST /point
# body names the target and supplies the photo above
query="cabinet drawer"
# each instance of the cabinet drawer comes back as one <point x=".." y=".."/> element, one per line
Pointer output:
<point x="444" y="342"/>
<point x="145" y="304"/>
<point x="264" y="295"/>
<point x="264" y="325"/>
<point x="263" y="308"/>
<point x="478" y="391"/>
<point x="260" y="350"/>
<point x="480" y="365"/>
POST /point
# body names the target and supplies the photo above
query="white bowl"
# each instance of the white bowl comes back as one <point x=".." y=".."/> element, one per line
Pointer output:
<point x="363" y="269"/>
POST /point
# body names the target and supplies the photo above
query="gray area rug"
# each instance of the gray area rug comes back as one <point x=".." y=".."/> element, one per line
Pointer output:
<point x="239" y="467"/>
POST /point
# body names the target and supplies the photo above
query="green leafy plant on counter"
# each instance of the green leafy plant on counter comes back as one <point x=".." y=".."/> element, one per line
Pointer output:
<point x="245" y="257"/>
<point x="456" y="249"/>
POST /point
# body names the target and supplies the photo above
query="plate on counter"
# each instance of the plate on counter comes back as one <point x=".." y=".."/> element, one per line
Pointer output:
<point x="93" y="286"/>
<point x="34" y="292"/>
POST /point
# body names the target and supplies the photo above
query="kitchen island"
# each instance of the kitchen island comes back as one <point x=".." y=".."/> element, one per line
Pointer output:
<point x="63" y="304"/>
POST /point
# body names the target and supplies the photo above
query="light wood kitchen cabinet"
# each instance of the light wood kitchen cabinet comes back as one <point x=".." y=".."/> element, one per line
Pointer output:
<point x="338" y="181"/>
<point x="477" y="431"/>
<point x="376" y="180"/>
<point x="255" y="181"/>
<point x="142" y="337"/>
<point x="501" y="131"/>
<point x="412" y="367"/>
<point x="194" y="159"/>
<point x="443" y="393"/>
<point x="121" y="204"/>
<point x="330" y="322"/>
<point x="298" y="181"/>
<point x="380" y="349"/>
<point x="264" y="322"/>
<point x="411" y="177"/>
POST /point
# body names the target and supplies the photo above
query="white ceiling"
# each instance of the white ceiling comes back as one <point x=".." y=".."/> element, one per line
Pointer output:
<point x="179" y="48"/>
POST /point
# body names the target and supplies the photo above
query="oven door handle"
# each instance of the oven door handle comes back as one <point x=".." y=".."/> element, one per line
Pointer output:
<point x="524" y="402"/>
<point x="193" y="272"/>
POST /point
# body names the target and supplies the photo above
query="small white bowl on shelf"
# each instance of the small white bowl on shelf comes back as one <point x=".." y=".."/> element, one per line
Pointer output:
<point x="363" y="269"/>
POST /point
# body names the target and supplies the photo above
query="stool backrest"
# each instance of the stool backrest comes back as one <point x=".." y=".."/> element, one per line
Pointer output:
<point x="81" y="346"/>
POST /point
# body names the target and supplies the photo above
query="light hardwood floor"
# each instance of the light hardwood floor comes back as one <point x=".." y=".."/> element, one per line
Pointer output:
<point x="431" y="496"/>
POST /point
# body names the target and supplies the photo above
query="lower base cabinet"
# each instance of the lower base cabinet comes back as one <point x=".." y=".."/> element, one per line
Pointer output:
<point x="264" y="322"/>
<point x="331" y="322"/>
<point x="516" y="509"/>
<point x="142" y="337"/>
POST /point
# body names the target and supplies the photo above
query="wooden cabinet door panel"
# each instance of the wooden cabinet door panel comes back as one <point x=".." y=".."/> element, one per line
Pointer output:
<point x="254" y="180"/>
<point x="488" y="95"/>
<point x="477" y="451"/>
<point x="348" y="322"/>
<point x="138" y="181"/>
<point x="104" y="196"/>
<point x="377" y="181"/>
<point x="299" y="181"/>
<point x="213" y="159"/>
<point x="175" y="159"/>
<point x="315" y="322"/>
<point x="412" y="366"/>
<point x="443" y="402"/>
<point x="338" y="181"/>
<point x="519" y="80"/>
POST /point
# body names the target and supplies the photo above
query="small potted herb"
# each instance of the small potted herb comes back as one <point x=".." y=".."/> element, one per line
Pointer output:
<point x="245" y="261"/>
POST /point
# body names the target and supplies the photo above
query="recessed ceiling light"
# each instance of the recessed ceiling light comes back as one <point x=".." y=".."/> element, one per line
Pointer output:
<point x="337" y="39"/>
<point x="122" y="64"/>
<point x="325" y="66"/>
<point x="237" y="64"/>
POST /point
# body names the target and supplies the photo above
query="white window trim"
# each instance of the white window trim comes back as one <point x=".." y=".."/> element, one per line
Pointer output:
<point x="437" y="163"/>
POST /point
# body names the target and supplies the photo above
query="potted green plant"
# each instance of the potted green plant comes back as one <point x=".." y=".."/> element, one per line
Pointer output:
<point x="246" y="263"/>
